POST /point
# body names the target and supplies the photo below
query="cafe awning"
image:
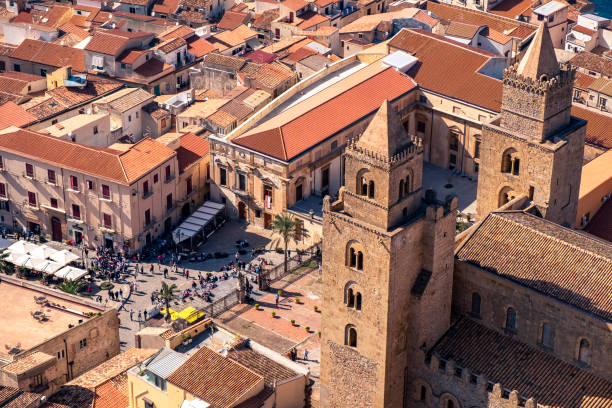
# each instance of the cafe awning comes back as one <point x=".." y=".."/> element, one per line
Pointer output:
<point x="197" y="221"/>
<point x="70" y="273"/>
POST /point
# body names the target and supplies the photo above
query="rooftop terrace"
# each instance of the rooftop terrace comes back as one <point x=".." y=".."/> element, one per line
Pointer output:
<point x="19" y="329"/>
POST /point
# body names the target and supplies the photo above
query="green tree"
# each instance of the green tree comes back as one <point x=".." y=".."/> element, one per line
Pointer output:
<point x="167" y="294"/>
<point x="288" y="229"/>
<point x="73" y="287"/>
<point x="5" y="265"/>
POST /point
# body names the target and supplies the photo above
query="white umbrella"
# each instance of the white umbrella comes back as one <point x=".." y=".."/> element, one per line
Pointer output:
<point x="48" y="266"/>
<point x="42" y="252"/>
<point x="21" y="259"/>
<point x="22" y="247"/>
<point x="32" y="263"/>
<point x="64" y="257"/>
<point x="70" y="273"/>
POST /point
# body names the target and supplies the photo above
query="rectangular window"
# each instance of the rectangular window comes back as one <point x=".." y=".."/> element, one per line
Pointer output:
<point x="1" y="162"/>
<point x="17" y="67"/>
<point x="107" y="221"/>
<point x="105" y="192"/>
<point x="82" y="343"/>
<point x="76" y="212"/>
<point x="32" y="198"/>
<point x="267" y="192"/>
<point x="95" y="130"/>
<point x="74" y="183"/>
<point x="222" y="177"/>
<point x="167" y="173"/>
<point x="334" y="145"/>
<point x="129" y="118"/>
<point x="51" y="176"/>
<point x="2" y="190"/>
<point x="145" y="188"/>
<point x="155" y="178"/>
<point x="169" y="201"/>
<point x="53" y="202"/>
<point x="325" y="178"/>
<point x="477" y="149"/>
<point x="421" y="127"/>
<point x="189" y="185"/>
<point x="241" y="182"/>
<point x="147" y="216"/>
<point x="90" y="185"/>
<point x="29" y="170"/>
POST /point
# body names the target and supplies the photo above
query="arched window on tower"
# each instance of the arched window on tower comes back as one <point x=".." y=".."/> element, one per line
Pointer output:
<point x="511" y="162"/>
<point x="584" y="352"/>
<point x="364" y="186"/>
<point x="360" y="260"/>
<point x="407" y="185"/>
<point x="358" y="301"/>
<point x="511" y="319"/>
<point x="352" y="258"/>
<point x="402" y="189"/>
<point x="350" y="298"/>
<point x="476" y="304"/>
<point x="350" y="336"/>
<point x="371" y="189"/>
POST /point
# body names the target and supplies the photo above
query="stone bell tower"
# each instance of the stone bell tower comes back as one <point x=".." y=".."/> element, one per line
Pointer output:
<point x="387" y="267"/>
<point x="534" y="148"/>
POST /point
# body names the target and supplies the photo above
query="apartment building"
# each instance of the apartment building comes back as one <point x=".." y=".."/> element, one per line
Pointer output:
<point x="91" y="195"/>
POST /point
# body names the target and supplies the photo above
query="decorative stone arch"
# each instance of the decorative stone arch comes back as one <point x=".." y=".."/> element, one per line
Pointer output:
<point x="350" y="286"/>
<point x="354" y="256"/>
<point x="421" y="391"/>
<point x="448" y="400"/>
<point x="510" y="162"/>
<point x="506" y="194"/>
<point x="405" y="184"/>
<point x="361" y="182"/>
<point x="350" y="335"/>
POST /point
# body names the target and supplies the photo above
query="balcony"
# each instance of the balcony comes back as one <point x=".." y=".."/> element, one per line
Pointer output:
<point x="147" y="194"/>
<point x="151" y="222"/>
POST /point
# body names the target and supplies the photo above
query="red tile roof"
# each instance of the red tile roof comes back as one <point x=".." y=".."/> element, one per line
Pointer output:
<point x="598" y="126"/>
<point x="260" y="56"/>
<point x="199" y="46"/>
<point x="583" y="81"/>
<point x="167" y="7"/>
<point x="179" y="31"/>
<point x="517" y="366"/>
<point x="104" y="42"/>
<point x="513" y="8"/>
<point x="423" y="17"/>
<point x="312" y="126"/>
<point x="21" y="76"/>
<point x="584" y="30"/>
<point x="312" y="20"/>
<point x="152" y="67"/>
<point x="73" y="29"/>
<point x="441" y="58"/>
<point x="12" y="114"/>
<point x="232" y="19"/>
<point x="171" y="45"/>
<point x="121" y="167"/>
<point x="215" y="379"/>
<point x="593" y="62"/>
<point x="46" y="53"/>
<point x="558" y="262"/>
<point x="294" y="5"/>
<point x="129" y="56"/>
<point x="112" y="394"/>
<point x="192" y="148"/>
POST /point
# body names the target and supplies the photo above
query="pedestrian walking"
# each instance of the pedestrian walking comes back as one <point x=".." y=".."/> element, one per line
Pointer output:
<point x="145" y="315"/>
<point x="142" y="269"/>
<point x="139" y="316"/>
<point x="277" y="296"/>
<point x="121" y="293"/>
<point x="165" y="273"/>
<point x="305" y="354"/>
<point x="131" y="315"/>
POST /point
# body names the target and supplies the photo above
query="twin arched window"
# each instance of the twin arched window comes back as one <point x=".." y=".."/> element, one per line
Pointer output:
<point x="404" y="187"/>
<point x="353" y="299"/>
<point x="365" y="187"/>
<point x="511" y="162"/>
<point x="355" y="258"/>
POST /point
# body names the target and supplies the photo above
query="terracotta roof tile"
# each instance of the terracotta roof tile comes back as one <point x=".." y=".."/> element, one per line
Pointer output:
<point x="553" y="260"/>
<point x="513" y="8"/>
<point x="200" y="375"/>
<point x="258" y="400"/>
<point x="232" y="19"/>
<point x="498" y="37"/>
<point x="462" y="30"/>
<point x="598" y="126"/>
<point x="601" y="224"/>
<point x="199" y="47"/>
<point x="271" y="371"/>
<point x="130" y="56"/>
<point x="312" y="20"/>
<point x="46" y="53"/>
<point x="192" y="16"/>
<point x="15" y="398"/>
<point x="73" y="29"/>
<point x="112" y="394"/>
<point x="502" y="24"/>
<point x="12" y="114"/>
<point x="294" y="5"/>
<point x="222" y="118"/>
<point x="167" y="7"/>
<point x="235" y="37"/>
<point x="22" y="365"/>
<point x="592" y="62"/>
<point x="440" y="59"/>
<point x="224" y="60"/>
<point x="192" y="148"/>
<point x="272" y="75"/>
<point x="517" y="366"/>
<point x="106" y="43"/>
<point x="6" y="49"/>
<point x="423" y="17"/>
<point x="583" y="81"/>
<point x="308" y="123"/>
<point x="370" y="22"/>
<point x="263" y="21"/>
<point x="153" y="67"/>
<point x="171" y="44"/>
<point x="261" y="56"/>
<point x="178" y="31"/>
<point x="144" y="156"/>
<point x="584" y="30"/>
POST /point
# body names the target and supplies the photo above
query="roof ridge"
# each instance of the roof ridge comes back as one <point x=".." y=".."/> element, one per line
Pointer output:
<point x="586" y="251"/>
<point x="456" y="44"/>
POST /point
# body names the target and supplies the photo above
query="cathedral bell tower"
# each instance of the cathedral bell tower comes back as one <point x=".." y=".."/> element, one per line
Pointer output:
<point x="534" y="148"/>
<point x="387" y="267"/>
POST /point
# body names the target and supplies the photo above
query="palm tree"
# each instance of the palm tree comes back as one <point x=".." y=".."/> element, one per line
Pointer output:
<point x="288" y="229"/>
<point x="167" y="294"/>
<point x="5" y="266"/>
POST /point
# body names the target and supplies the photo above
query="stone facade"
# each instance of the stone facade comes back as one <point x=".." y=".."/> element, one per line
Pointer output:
<point x="374" y="297"/>
<point x="534" y="143"/>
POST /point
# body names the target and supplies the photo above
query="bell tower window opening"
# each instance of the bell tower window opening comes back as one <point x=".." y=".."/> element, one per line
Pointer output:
<point x="371" y="189"/>
<point x="351" y="298"/>
<point x="350" y="336"/>
<point x="360" y="260"/>
<point x="358" y="301"/>
<point x="584" y="352"/>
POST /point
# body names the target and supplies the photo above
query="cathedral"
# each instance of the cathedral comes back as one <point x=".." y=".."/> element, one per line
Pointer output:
<point x="514" y="312"/>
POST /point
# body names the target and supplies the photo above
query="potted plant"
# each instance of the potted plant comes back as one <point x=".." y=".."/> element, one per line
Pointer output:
<point x="297" y="300"/>
<point x="256" y="306"/>
<point x="280" y="292"/>
<point x="319" y="333"/>
<point x="316" y="308"/>
<point x="292" y="322"/>
<point x="307" y="329"/>
<point x="273" y="314"/>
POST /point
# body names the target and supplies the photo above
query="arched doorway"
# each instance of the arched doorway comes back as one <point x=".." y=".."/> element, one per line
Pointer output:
<point x="56" y="229"/>
<point x="242" y="211"/>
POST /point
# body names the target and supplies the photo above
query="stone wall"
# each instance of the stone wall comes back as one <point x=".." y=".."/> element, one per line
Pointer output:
<point x="352" y="375"/>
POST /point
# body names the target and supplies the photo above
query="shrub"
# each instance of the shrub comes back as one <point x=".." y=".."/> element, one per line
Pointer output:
<point x="319" y="333"/>
<point x="280" y="292"/>
<point x="292" y="321"/>
<point x="315" y="307"/>
<point x="256" y="305"/>
<point x="307" y="328"/>
<point x="273" y="314"/>
<point x="297" y="300"/>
